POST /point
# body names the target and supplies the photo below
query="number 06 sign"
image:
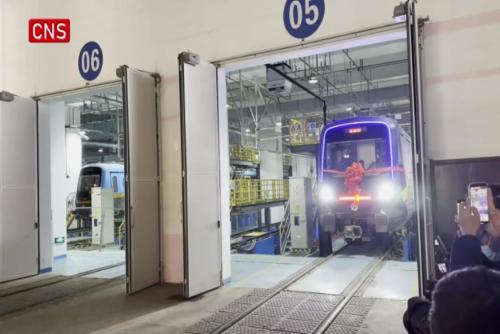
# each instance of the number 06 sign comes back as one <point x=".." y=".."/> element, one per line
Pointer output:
<point x="303" y="17"/>
<point x="90" y="61"/>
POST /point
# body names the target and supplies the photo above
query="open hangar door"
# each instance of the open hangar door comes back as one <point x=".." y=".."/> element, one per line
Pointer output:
<point x="200" y="171"/>
<point x="18" y="188"/>
<point x="142" y="177"/>
<point x="199" y="103"/>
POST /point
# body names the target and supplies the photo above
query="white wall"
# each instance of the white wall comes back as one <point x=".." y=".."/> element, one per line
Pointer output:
<point x="58" y="175"/>
<point x="271" y="168"/>
<point x="65" y="165"/>
<point x="461" y="73"/>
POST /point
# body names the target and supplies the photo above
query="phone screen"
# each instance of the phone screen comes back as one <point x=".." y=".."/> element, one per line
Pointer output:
<point x="479" y="200"/>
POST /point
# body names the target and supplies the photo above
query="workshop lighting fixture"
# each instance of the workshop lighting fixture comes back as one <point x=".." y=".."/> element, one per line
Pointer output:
<point x="247" y="130"/>
<point x="313" y="80"/>
<point x="100" y="150"/>
<point x="279" y="124"/>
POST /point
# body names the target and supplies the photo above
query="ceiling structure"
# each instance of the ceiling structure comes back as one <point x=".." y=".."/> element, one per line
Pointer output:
<point x="98" y="119"/>
<point x="371" y="80"/>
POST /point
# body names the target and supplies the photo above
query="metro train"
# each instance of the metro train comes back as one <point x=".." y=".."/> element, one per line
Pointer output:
<point x="104" y="175"/>
<point x="365" y="172"/>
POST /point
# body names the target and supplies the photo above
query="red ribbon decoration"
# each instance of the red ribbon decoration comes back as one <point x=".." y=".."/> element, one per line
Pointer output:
<point x="353" y="177"/>
<point x="355" y="173"/>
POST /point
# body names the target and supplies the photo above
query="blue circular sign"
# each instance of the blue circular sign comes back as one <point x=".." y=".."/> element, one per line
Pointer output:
<point x="303" y="17"/>
<point x="90" y="61"/>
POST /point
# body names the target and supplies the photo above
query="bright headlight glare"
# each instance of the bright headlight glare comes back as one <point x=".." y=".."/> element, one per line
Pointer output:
<point x="326" y="193"/>
<point x="387" y="192"/>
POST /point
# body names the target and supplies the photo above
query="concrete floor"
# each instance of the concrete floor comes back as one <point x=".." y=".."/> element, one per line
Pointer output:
<point x="78" y="261"/>
<point x="160" y="309"/>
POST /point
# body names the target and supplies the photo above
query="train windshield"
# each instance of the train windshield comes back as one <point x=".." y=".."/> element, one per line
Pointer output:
<point x="89" y="178"/>
<point x="371" y="154"/>
<point x="368" y="146"/>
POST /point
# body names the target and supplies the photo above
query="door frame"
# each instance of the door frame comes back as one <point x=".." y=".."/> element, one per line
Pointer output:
<point x="369" y="36"/>
<point x="53" y="96"/>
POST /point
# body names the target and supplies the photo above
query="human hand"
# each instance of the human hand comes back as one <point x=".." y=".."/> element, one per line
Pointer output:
<point x="468" y="219"/>
<point x="493" y="226"/>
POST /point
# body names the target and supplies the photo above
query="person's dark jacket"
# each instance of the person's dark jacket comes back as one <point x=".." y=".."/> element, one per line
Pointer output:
<point x="466" y="252"/>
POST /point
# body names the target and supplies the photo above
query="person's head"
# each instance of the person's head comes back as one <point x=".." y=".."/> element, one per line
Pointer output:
<point x="467" y="301"/>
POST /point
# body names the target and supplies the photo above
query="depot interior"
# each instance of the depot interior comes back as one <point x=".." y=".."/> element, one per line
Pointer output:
<point x="82" y="135"/>
<point x="275" y="120"/>
<point x="274" y="133"/>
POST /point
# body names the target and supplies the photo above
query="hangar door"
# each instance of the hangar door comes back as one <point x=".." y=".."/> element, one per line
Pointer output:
<point x="142" y="177"/>
<point x="18" y="190"/>
<point x="200" y="166"/>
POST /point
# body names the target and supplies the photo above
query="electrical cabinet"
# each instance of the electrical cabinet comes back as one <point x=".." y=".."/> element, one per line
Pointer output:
<point x="103" y="216"/>
<point x="301" y="213"/>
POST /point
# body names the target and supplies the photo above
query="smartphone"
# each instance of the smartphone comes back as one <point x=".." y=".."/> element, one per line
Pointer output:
<point x="478" y="195"/>
<point x="495" y="189"/>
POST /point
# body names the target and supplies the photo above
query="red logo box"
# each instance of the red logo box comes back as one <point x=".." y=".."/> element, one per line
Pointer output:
<point x="49" y="30"/>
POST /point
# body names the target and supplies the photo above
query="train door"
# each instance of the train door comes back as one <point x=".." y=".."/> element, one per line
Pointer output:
<point x="199" y="130"/>
<point x="140" y="95"/>
<point x="420" y="162"/>
<point x="18" y="189"/>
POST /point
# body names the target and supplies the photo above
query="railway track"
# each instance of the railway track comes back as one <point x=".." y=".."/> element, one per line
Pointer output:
<point x="281" y="310"/>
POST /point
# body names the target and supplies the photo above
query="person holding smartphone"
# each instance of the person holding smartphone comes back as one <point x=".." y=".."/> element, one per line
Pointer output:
<point x="467" y="250"/>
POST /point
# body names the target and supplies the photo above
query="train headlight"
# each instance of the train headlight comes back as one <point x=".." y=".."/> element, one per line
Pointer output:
<point x="326" y="193"/>
<point x="387" y="192"/>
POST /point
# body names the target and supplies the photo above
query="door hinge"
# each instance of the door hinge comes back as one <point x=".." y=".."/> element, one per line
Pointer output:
<point x="218" y="224"/>
<point x="36" y="225"/>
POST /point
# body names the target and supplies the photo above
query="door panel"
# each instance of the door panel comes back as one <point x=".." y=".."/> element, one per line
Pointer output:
<point x="420" y="166"/>
<point x="18" y="190"/>
<point x="201" y="193"/>
<point x="142" y="179"/>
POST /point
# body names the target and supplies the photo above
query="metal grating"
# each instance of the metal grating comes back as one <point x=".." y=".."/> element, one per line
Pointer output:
<point x="260" y="292"/>
<point x="257" y="321"/>
<point x="249" y="300"/>
<point x="332" y="299"/>
<point x="294" y="295"/>
<point x="221" y="317"/>
<point x="356" y="309"/>
<point x="245" y="330"/>
<point x="202" y="327"/>
<point x="235" y="308"/>
<point x="275" y="312"/>
<point x="339" y="329"/>
<point x="315" y="316"/>
<point x="283" y="302"/>
<point x="349" y="320"/>
<point x="296" y="326"/>
<point x="317" y="306"/>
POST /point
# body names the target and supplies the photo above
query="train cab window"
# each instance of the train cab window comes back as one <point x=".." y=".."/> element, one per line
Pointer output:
<point x="115" y="184"/>
<point x="86" y="183"/>
<point x="372" y="152"/>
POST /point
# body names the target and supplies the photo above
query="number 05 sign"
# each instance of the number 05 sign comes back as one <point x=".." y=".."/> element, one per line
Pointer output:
<point x="303" y="17"/>
<point x="90" y="61"/>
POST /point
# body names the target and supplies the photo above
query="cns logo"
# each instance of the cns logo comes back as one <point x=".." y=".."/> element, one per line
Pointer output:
<point x="49" y="30"/>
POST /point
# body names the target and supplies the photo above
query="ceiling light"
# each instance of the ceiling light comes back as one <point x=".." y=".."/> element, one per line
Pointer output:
<point x="279" y="124"/>
<point x="349" y="109"/>
<point x="228" y="106"/>
<point x="287" y="139"/>
<point x="100" y="150"/>
<point x="247" y="130"/>
<point x="313" y="80"/>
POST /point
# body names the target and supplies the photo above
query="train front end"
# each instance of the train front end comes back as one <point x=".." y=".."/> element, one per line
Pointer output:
<point x="362" y="189"/>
